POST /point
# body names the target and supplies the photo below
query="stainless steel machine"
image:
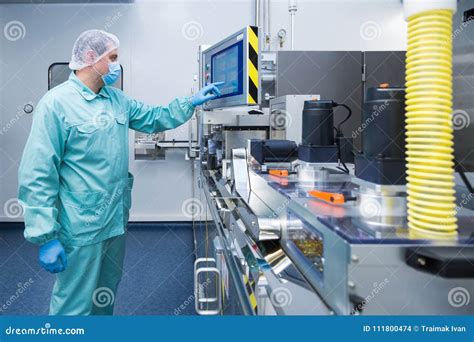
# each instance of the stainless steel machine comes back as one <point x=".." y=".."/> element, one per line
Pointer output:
<point x="295" y="229"/>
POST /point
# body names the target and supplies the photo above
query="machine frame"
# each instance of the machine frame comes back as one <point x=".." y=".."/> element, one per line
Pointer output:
<point x="251" y="83"/>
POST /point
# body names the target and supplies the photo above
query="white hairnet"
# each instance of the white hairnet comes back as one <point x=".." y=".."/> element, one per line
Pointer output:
<point x="91" y="46"/>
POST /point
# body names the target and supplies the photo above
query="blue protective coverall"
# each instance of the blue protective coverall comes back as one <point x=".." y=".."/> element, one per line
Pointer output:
<point x="75" y="186"/>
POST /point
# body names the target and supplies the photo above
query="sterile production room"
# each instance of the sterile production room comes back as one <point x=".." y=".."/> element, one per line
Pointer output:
<point x="237" y="158"/>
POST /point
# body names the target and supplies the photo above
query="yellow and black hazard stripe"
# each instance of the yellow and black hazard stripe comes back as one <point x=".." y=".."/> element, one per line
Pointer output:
<point x="252" y="298"/>
<point x="252" y="64"/>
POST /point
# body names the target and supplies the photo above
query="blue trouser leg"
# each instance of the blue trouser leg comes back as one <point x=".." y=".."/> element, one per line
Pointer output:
<point x="89" y="284"/>
<point x="110" y="275"/>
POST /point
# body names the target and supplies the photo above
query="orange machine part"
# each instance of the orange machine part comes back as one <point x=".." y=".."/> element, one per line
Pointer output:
<point x="279" y="173"/>
<point x="328" y="196"/>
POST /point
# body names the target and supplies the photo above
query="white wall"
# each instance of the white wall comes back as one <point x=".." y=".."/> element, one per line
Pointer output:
<point x="159" y="41"/>
<point x="366" y="25"/>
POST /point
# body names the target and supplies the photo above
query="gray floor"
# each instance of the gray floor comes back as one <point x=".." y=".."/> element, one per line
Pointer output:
<point x="158" y="272"/>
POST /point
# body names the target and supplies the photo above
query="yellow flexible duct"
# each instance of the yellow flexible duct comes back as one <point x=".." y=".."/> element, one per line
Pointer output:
<point x="429" y="131"/>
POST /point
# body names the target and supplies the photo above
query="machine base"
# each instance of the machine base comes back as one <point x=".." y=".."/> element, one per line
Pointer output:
<point x="386" y="171"/>
<point x="318" y="154"/>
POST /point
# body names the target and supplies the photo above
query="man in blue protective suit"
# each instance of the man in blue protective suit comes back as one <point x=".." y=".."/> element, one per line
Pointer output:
<point x="74" y="182"/>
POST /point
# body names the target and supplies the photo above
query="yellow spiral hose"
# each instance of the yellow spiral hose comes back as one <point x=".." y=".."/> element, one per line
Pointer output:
<point x="429" y="129"/>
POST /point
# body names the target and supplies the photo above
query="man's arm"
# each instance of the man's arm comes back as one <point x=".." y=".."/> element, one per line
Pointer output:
<point x="38" y="175"/>
<point x="152" y="119"/>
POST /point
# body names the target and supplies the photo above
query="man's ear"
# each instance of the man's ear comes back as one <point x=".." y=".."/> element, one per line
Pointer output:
<point x="90" y="56"/>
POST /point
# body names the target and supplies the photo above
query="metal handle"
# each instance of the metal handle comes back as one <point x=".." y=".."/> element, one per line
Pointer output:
<point x="201" y="260"/>
<point x="198" y="296"/>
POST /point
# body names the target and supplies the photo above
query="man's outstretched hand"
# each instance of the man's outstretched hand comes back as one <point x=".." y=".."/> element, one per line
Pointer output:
<point x="209" y="92"/>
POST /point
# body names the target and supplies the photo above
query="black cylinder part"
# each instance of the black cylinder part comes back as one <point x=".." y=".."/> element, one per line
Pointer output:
<point x="318" y="123"/>
<point x="383" y="123"/>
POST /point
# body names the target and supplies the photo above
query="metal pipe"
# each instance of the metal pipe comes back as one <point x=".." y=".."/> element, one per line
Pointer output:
<point x="257" y="13"/>
<point x="267" y="34"/>
<point x="292" y="8"/>
<point x="292" y="31"/>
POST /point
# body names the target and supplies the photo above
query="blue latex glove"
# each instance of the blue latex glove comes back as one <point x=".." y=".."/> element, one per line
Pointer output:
<point x="52" y="257"/>
<point x="209" y="92"/>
